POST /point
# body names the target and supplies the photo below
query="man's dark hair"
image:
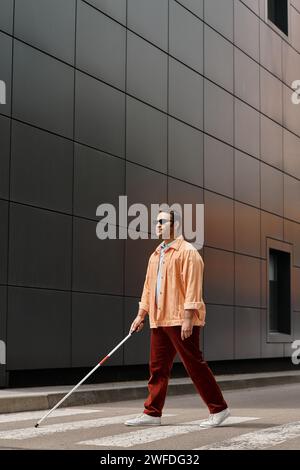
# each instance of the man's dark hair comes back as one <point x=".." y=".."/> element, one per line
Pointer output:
<point x="175" y="216"/>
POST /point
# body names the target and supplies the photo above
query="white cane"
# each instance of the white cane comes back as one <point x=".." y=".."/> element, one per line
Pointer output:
<point x="81" y="381"/>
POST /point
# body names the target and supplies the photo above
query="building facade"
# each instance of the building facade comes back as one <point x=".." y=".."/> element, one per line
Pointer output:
<point x="189" y="101"/>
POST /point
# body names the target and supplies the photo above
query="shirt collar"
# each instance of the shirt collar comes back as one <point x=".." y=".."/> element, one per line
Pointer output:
<point x="173" y="244"/>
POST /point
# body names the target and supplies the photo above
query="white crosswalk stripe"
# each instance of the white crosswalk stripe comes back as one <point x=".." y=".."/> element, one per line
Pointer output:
<point x="28" y="415"/>
<point x="258" y="440"/>
<point x="156" y="433"/>
<point x="32" y="432"/>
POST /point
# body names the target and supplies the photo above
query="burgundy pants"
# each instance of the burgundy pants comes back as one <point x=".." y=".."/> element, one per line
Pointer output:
<point x="165" y="342"/>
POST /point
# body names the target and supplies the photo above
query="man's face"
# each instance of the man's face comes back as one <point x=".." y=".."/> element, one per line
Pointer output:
<point x="164" y="228"/>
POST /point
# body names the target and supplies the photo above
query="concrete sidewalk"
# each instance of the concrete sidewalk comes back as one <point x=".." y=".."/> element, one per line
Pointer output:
<point x="43" y="398"/>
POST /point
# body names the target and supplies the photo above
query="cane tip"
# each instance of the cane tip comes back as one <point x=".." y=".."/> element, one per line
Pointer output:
<point x="37" y="425"/>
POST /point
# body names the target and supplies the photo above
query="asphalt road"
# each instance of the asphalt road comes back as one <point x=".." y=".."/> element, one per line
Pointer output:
<point x="261" y="418"/>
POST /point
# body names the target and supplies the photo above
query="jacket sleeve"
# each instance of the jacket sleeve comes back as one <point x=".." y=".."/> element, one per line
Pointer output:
<point x="145" y="299"/>
<point x="192" y="272"/>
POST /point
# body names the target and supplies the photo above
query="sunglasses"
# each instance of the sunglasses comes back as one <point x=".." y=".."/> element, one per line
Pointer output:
<point x="161" y="221"/>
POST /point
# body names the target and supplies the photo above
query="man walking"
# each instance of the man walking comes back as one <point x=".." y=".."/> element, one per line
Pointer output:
<point x="172" y="296"/>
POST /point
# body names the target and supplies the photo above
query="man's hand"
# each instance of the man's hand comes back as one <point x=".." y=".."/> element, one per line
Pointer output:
<point x="186" y="328"/>
<point x="137" y="324"/>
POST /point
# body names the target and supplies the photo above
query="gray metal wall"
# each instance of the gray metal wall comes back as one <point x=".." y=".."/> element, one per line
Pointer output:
<point x="185" y="101"/>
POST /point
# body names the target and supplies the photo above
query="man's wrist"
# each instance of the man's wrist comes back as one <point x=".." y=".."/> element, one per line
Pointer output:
<point x="188" y="314"/>
<point x="142" y="314"/>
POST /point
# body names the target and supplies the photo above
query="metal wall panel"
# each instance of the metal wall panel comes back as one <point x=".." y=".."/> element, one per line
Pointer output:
<point x="37" y="97"/>
<point x="5" y="153"/>
<point x="6" y="15"/>
<point x="150" y="20"/>
<point x="146" y="135"/>
<point x="218" y="59"/>
<point x="100" y="46"/>
<point x="3" y="241"/>
<point x="41" y="168"/>
<point x="39" y="248"/>
<point x="97" y="264"/>
<point x="93" y="170"/>
<point x="96" y="324"/>
<point x="5" y="72"/>
<point x="99" y="115"/>
<point x="147" y="72"/>
<point x="48" y="25"/>
<point x="185" y="159"/>
<point x="42" y="337"/>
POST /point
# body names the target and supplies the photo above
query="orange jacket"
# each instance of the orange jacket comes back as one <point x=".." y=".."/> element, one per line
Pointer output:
<point x="181" y="285"/>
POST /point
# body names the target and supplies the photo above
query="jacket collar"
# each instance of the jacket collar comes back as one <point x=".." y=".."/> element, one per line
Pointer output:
<point x="176" y="244"/>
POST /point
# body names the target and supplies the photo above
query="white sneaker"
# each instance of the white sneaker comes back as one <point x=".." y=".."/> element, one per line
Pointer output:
<point x="215" y="419"/>
<point x="144" y="420"/>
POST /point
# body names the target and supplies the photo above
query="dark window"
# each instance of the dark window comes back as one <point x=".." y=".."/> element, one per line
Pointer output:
<point x="279" y="292"/>
<point x="278" y="14"/>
